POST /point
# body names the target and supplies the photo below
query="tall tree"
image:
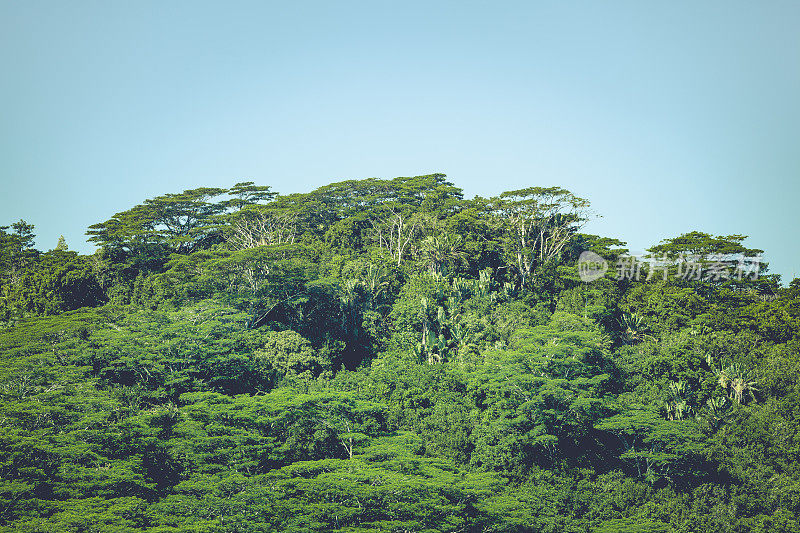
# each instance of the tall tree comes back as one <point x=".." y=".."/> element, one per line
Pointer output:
<point x="16" y="249"/>
<point x="180" y="223"/>
<point x="538" y="223"/>
<point x="61" y="245"/>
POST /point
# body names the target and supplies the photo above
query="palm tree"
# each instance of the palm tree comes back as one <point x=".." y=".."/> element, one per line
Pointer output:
<point x="676" y="406"/>
<point x="715" y="412"/>
<point x="723" y="379"/>
<point x="440" y="251"/>
<point x="633" y="328"/>
<point x="737" y="381"/>
<point x="743" y="383"/>
<point x="350" y="306"/>
<point x="376" y="281"/>
<point x="681" y="409"/>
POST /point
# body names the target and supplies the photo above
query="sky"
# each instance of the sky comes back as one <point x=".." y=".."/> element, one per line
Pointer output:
<point x="668" y="116"/>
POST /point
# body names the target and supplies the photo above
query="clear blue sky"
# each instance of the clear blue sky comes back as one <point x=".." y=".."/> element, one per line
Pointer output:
<point x="668" y="116"/>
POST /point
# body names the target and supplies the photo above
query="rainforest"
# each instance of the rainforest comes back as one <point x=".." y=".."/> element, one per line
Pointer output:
<point x="386" y="355"/>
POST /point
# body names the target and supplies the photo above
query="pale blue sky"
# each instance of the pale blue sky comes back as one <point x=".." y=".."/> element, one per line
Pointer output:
<point x="668" y="116"/>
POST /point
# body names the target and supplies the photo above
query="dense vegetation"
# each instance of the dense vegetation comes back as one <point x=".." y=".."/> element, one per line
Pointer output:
<point x="385" y="355"/>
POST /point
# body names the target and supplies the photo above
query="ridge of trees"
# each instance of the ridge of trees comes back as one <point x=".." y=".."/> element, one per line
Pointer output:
<point x="387" y="355"/>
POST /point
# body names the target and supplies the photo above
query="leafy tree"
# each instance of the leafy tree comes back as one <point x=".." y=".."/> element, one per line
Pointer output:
<point x="16" y="249"/>
<point x="179" y="223"/>
<point x="538" y="223"/>
<point x="291" y="355"/>
<point x="247" y="193"/>
<point x="699" y="255"/>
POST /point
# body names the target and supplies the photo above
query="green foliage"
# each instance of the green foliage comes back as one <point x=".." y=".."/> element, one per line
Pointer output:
<point x="177" y="221"/>
<point x="383" y="355"/>
<point x="291" y="356"/>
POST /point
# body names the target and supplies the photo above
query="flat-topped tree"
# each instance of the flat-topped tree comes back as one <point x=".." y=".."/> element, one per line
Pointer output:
<point x="719" y="259"/>
<point x="247" y="193"/>
<point x="350" y="197"/>
<point x="410" y="209"/>
<point x="704" y="246"/>
<point x="177" y="222"/>
<point x="430" y="192"/>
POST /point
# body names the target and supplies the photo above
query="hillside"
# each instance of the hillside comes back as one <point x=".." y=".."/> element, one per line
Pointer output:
<point x="386" y="355"/>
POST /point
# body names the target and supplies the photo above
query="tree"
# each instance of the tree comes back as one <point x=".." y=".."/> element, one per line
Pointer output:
<point x="261" y="278"/>
<point x="16" y="249"/>
<point x="291" y="356"/>
<point x="633" y="329"/>
<point x="538" y="223"/>
<point x="58" y="281"/>
<point x="247" y="193"/>
<point x="540" y="397"/>
<point x="254" y="227"/>
<point x="701" y="256"/>
<point x="399" y="211"/>
<point x="736" y="381"/>
<point x="440" y="252"/>
<point x="180" y="223"/>
<point x="656" y="447"/>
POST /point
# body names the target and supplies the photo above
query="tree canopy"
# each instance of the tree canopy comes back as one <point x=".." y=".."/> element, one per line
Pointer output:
<point x="386" y="355"/>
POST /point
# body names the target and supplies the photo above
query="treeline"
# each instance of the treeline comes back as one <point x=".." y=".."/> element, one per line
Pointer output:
<point x="386" y="355"/>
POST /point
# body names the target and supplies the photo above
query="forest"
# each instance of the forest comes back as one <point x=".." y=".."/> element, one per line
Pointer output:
<point x="386" y="355"/>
